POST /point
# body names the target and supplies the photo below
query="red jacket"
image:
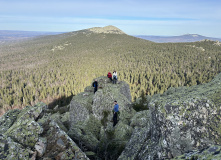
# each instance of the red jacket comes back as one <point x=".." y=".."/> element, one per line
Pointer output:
<point x="109" y="75"/>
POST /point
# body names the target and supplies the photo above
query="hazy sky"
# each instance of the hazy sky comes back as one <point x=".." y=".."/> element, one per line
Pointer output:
<point x="135" y="17"/>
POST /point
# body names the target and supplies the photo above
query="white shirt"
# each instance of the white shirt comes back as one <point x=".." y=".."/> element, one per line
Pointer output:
<point x="114" y="74"/>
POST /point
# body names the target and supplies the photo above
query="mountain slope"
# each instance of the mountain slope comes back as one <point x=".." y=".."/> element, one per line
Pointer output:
<point x="174" y="39"/>
<point x="59" y="66"/>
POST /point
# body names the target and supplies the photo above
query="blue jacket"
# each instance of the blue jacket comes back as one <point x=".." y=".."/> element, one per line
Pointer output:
<point x="116" y="108"/>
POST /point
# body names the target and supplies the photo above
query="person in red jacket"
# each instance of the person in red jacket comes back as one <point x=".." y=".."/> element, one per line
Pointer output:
<point x="109" y="75"/>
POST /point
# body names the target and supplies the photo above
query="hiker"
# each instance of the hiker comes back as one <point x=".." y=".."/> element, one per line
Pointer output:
<point x="95" y="85"/>
<point x="115" y="113"/>
<point x="114" y="77"/>
<point x="109" y="75"/>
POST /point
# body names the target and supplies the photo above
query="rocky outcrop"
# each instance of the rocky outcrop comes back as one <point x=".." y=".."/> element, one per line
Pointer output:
<point x="213" y="152"/>
<point x="31" y="133"/>
<point x="108" y="29"/>
<point x="182" y="123"/>
<point x="178" y="121"/>
<point x="91" y="116"/>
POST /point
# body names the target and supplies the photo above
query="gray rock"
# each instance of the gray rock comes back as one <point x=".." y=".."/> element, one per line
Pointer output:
<point x="25" y="129"/>
<point x="140" y="119"/>
<point x="35" y="129"/>
<point x="181" y="120"/>
<point x="80" y="107"/>
<point x="40" y="146"/>
<point x="125" y="90"/>
<point x="213" y="152"/>
<point x="135" y="144"/>
<point x="90" y="112"/>
<point x="60" y="144"/>
<point x="7" y="120"/>
<point x="13" y="150"/>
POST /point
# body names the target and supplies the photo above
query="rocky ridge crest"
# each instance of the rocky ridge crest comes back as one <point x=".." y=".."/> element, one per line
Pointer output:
<point x="182" y="123"/>
<point x="107" y="29"/>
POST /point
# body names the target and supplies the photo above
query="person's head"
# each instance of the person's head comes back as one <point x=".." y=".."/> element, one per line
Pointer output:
<point x="95" y="80"/>
<point x="115" y="102"/>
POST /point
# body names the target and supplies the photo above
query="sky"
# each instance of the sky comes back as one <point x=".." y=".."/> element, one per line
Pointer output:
<point x="134" y="17"/>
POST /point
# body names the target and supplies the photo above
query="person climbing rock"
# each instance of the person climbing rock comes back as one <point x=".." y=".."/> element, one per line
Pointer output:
<point x="109" y="75"/>
<point x="115" y="113"/>
<point x="114" y="77"/>
<point x="95" y="85"/>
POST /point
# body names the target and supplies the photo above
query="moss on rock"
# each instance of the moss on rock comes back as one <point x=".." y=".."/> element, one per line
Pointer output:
<point x="25" y="129"/>
<point x="211" y="153"/>
<point x="7" y="120"/>
<point x="91" y="112"/>
<point x="180" y="120"/>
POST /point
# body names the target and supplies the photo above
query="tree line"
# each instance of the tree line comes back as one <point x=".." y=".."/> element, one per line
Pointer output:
<point x="50" y="67"/>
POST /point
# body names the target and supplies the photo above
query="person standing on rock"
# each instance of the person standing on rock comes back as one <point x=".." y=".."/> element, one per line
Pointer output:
<point x="115" y="112"/>
<point x="109" y="75"/>
<point x="95" y="85"/>
<point x="114" y="77"/>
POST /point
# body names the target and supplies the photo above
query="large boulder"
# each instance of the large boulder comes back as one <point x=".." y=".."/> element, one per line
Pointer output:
<point x="33" y="133"/>
<point x="104" y="98"/>
<point x="140" y="123"/>
<point x="180" y="120"/>
<point x="7" y="120"/>
<point x="25" y="129"/>
<point x="13" y="150"/>
<point x="213" y="152"/>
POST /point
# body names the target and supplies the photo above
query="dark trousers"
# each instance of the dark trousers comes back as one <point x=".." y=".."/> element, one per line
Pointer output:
<point x="114" y="119"/>
<point x="114" y="81"/>
<point x="110" y="78"/>
<point x="95" y="89"/>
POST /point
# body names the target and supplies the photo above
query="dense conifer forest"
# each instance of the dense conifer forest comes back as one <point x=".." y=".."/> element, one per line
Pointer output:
<point x="51" y="67"/>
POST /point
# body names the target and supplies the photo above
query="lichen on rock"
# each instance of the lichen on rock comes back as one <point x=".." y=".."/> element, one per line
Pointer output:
<point x="180" y="120"/>
<point x="182" y="123"/>
<point x="91" y="116"/>
<point x="7" y="120"/>
<point x="211" y="153"/>
<point x="33" y="133"/>
<point x="13" y="150"/>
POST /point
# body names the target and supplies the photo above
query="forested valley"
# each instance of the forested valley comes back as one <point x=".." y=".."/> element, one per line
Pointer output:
<point x="48" y="68"/>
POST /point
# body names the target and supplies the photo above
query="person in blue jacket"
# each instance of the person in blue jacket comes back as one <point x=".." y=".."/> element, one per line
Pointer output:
<point x="95" y="85"/>
<point x="115" y="112"/>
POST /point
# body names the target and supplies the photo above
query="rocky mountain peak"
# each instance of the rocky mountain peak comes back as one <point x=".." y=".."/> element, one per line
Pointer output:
<point x="107" y="29"/>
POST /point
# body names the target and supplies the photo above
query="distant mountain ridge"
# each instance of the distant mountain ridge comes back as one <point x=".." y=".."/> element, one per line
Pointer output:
<point x="8" y="35"/>
<point x="11" y="35"/>
<point x="174" y="39"/>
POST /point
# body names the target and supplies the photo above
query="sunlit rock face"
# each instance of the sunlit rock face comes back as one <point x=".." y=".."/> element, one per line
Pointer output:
<point x="179" y="121"/>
